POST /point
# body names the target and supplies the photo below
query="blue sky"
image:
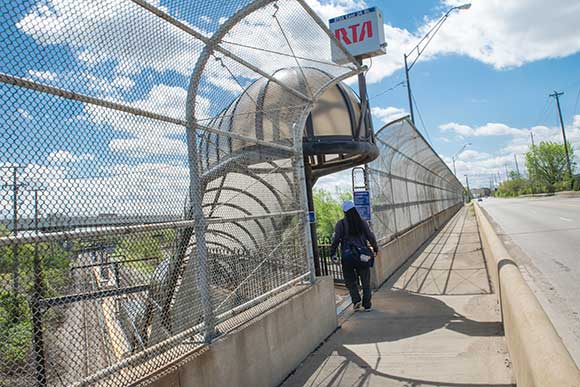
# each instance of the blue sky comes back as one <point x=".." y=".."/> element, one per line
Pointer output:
<point x="484" y="79"/>
<point x="493" y="64"/>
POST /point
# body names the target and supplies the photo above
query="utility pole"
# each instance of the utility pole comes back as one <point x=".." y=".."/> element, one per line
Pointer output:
<point x="409" y="90"/>
<point x="556" y="96"/>
<point x="14" y="185"/>
<point x="517" y="167"/>
<point x="532" y="136"/>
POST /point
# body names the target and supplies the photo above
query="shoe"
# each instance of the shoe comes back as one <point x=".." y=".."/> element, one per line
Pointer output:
<point x="357" y="306"/>
<point x="369" y="309"/>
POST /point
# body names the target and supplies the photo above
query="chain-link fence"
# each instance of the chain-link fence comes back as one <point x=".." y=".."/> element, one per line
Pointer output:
<point x="147" y="205"/>
<point x="408" y="182"/>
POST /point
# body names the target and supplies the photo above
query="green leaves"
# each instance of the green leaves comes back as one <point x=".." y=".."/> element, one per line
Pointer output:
<point x="327" y="207"/>
<point x="547" y="165"/>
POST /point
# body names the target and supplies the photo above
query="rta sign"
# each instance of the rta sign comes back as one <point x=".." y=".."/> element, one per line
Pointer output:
<point x="354" y="33"/>
<point x="361" y="32"/>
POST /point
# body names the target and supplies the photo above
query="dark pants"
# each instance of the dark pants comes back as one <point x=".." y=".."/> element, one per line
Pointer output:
<point x="351" y="276"/>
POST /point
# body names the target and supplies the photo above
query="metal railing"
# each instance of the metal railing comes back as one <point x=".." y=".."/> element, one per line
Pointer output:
<point x="327" y="266"/>
<point x="127" y="132"/>
<point x="409" y="182"/>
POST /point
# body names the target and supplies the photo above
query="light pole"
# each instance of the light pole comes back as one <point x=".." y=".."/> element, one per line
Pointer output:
<point x="468" y="190"/>
<point x="427" y="39"/>
<point x="456" y="154"/>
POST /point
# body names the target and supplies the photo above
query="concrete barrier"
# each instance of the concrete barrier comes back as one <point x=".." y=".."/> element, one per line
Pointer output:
<point x="538" y="355"/>
<point x="396" y="252"/>
<point x="266" y="350"/>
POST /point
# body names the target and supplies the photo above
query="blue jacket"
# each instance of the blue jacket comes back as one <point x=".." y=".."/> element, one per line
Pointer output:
<point x="341" y="235"/>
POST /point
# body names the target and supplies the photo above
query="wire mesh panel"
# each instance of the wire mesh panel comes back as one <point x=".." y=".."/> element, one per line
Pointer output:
<point x="152" y="176"/>
<point x="409" y="182"/>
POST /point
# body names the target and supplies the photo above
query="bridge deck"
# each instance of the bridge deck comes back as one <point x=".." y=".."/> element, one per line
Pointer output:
<point x="435" y="323"/>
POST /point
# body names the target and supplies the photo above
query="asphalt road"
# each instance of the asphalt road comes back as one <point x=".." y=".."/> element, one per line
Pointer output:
<point x="543" y="234"/>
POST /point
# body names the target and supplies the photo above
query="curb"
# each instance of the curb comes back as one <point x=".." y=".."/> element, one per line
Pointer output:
<point x="537" y="351"/>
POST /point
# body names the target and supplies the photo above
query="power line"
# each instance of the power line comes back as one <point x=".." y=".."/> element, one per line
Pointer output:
<point x="421" y="119"/>
<point x="389" y="89"/>
<point x="576" y="103"/>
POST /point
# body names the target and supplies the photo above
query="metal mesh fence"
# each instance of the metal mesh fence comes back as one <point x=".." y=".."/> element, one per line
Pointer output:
<point x="143" y="211"/>
<point x="408" y="181"/>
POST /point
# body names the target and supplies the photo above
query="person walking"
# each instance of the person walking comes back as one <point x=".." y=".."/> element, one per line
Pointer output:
<point x="354" y="237"/>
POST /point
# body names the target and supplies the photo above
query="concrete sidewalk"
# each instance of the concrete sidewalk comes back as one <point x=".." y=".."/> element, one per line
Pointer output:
<point x="435" y="323"/>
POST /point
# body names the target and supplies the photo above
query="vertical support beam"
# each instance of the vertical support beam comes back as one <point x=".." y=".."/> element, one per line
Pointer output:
<point x="409" y="90"/>
<point x="36" y="310"/>
<point x="202" y="273"/>
<point x="300" y="173"/>
<point x="362" y="90"/>
<point x="310" y="202"/>
<point x="15" y="273"/>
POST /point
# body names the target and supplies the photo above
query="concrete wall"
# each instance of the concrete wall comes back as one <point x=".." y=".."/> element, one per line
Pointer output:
<point x="537" y="352"/>
<point x="397" y="251"/>
<point x="266" y="350"/>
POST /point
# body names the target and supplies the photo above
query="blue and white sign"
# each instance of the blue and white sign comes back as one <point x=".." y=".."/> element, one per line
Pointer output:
<point x="362" y="202"/>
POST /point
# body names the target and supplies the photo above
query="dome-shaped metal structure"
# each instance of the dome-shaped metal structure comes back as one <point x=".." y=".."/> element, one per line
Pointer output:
<point x="334" y="137"/>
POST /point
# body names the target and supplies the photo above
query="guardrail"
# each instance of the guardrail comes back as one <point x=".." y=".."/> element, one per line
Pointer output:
<point x="538" y="354"/>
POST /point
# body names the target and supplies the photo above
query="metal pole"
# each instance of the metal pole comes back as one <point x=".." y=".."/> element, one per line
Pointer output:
<point x="529" y="171"/>
<point x="15" y="273"/>
<point x="310" y="202"/>
<point x="517" y="167"/>
<point x="409" y="90"/>
<point x="36" y="310"/>
<point x="468" y="190"/>
<point x="362" y="91"/>
<point x="454" y="171"/>
<point x="557" y="95"/>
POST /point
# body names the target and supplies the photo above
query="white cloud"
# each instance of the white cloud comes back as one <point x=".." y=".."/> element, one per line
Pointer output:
<point x="44" y="75"/>
<point x="147" y="188"/>
<point x="511" y="33"/>
<point x="501" y="33"/>
<point x="489" y="129"/>
<point x="112" y="30"/>
<point x="63" y="156"/>
<point x="337" y="182"/>
<point x="482" y="166"/>
<point x="141" y="146"/>
<point x="124" y="83"/>
<point x="148" y="136"/>
<point x="471" y="154"/>
<point x="25" y="114"/>
<point x="328" y="9"/>
<point x="388" y="114"/>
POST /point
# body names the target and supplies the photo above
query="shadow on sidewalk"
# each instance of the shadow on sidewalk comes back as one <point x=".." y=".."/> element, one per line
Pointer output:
<point x="398" y="315"/>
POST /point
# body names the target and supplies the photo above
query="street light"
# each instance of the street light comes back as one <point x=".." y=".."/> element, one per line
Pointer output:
<point x="457" y="153"/>
<point x="430" y="34"/>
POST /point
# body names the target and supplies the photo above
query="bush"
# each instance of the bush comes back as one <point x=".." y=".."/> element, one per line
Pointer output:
<point x="514" y="187"/>
<point x="15" y="330"/>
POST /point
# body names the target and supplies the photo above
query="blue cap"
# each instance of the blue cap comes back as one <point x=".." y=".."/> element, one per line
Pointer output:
<point x="348" y="205"/>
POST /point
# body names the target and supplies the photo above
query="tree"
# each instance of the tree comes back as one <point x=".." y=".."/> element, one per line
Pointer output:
<point x="547" y="165"/>
<point x="328" y="211"/>
<point x="514" y="187"/>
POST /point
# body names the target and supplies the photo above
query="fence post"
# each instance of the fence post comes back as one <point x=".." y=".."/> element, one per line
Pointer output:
<point x="36" y="312"/>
